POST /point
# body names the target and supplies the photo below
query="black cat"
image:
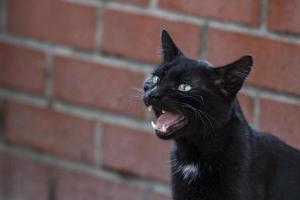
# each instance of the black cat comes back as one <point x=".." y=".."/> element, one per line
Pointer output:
<point x="216" y="154"/>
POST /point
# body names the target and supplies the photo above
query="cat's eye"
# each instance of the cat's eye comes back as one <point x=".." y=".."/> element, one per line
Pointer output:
<point x="155" y="79"/>
<point x="184" y="87"/>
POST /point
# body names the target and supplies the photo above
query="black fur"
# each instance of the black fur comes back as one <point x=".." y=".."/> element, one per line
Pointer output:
<point x="234" y="161"/>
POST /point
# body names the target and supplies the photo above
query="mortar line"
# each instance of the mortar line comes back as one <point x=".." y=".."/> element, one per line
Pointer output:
<point x="263" y="15"/>
<point x="104" y="116"/>
<point x="51" y="184"/>
<point x="3" y="15"/>
<point x="93" y="56"/>
<point x="93" y="112"/>
<point x="89" y="112"/>
<point x="90" y="56"/>
<point x="230" y="26"/>
<point x="98" y="144"/>
<point x="153" y="4"/>
<point x="198" y="20"/>
<point x="90" y="170"/>
<point x="149" y="194"/>
<point x="23" y="96"/>
<point x="203" y="41"/>
<point x="256" y="111"/>
<point x="49" y="75"/>
<point x="248" y="91"/>
<point x="272" y="94"/>
<point x="94" y="3"/>
<point x="99" y="29"/>
<point x="109" y="60"/>
<point x="22" y="40"/>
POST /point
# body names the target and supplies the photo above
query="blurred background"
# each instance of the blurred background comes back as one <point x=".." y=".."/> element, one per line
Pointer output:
<point x="72" y="124"/>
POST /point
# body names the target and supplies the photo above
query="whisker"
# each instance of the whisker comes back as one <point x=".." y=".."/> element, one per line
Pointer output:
<point x="136" y="89"/>
<point x="201" y="114"/>
<point x="196" y="112"/>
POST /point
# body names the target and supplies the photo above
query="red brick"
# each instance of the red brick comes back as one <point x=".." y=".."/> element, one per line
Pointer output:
<point x="22" y="67"/>
<point x="49" y="130"/>
<point x="281" y="119"/>
<point x="247" y="104"/>
<point x="245" y="11"/>
<point x="136" y="36"/>
<point x="162" y="197"/>
<point x="23" y="178"/>
<point x="284" y="15"/>
<point x="77" y="186"/>
<point x="138" y="2"/>
<point x="98" y="84"/>
<point x="53" y="20"/>
<point x="135" y="151"/>
<point x="275" y="65"/>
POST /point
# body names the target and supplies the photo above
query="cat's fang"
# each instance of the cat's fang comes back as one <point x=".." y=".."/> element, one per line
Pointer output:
<point x="153" y="125"/>
<point x="163" y="129"/>
<point x="163" y="111"/>
<point x="150" y="108"/>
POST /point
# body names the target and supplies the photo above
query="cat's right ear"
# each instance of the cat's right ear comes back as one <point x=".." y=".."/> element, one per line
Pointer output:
<point x="169" y="48"/>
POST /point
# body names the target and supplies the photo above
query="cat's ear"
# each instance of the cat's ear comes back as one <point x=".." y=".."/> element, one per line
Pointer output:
<point x="230" y="78"/>
<point x="168" y="47"/>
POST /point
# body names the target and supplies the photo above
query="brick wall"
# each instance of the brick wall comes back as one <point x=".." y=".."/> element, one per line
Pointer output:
<point x="71" y="124"/>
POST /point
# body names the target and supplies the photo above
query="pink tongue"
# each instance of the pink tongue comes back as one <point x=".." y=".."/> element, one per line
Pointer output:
<point x="167" y="119"/>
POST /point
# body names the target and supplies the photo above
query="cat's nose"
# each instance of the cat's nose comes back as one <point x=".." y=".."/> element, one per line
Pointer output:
<point x="154" y="95"/>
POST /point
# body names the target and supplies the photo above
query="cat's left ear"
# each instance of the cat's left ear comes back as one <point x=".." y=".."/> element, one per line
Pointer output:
<point x="169" y="48"/>
<point x="230" y="78"/>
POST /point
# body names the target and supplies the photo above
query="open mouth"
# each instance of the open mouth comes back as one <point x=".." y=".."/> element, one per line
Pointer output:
<point x="167" y="122"/>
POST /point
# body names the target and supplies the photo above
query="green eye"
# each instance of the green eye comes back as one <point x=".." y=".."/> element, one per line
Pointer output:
<point x="155" y="79"/>
<point x="184" y="87"/>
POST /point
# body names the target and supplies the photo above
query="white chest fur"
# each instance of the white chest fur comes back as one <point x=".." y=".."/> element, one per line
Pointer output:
<point x="189" y="172"/>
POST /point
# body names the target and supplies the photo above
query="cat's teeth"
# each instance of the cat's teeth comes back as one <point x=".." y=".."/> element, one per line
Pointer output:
<point x="164" y="128"/>
<point x="163" y="111"/>
<point x="153" y="125"/>
<point x="150" y="108"/>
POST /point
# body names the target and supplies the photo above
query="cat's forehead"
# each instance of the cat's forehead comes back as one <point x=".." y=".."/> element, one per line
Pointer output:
<point x="182" y="68"/>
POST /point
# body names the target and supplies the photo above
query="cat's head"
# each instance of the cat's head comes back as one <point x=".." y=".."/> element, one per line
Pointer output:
<point x="189" y="96"/>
